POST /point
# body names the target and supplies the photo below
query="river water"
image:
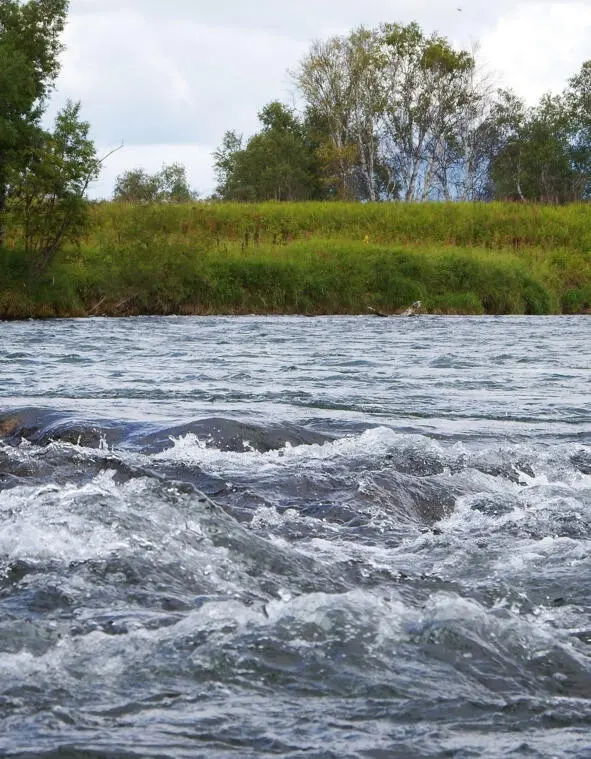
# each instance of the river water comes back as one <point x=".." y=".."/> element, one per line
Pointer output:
<point x="295" y="537"/>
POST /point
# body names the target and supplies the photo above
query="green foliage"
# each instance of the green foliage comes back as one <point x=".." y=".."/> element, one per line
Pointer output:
<point x="48" y="196"/>
<point x="432" y="107"/>
<point x="29" y="63"/>
<point x="516" y="227"/>
<point x="224" y="161"/>
<point x="341" y="81"/>
<point x="169" y="185"/>
<point x="43" y="175"/>
<point x="543" y="153"/>
<point x="454" y="303"/>
<point x="397" y="114"/>
<point x="577" y="300"/>
<point x="278" y="163"/>
<point x="311" y="258"/>
<point x="34" y="29"/>
<point x="306" y="277"/>
<point x="536" y="155"/>
<point x="392" y="113"/>
<point x="136" y="186"/>
<point x="577" y="99"/>
<point x="175" y="185"/>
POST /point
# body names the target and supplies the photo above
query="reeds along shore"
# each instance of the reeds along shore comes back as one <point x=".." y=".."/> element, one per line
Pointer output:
<point x="311" y="258"/>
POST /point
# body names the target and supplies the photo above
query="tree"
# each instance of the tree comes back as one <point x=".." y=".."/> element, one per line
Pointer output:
<point x="47" y="195"/>
<point x="429" y="89"/>
<point x="577" y="98"/>
<point x="393" y="113"/>
<point x="277" y="163"/>
<point x="174" y="185"/>
<point x="136" y="186"/>
<point x="400" y="111"/>
<point x="30" y="43"/>
<point x="340" y="83"/>
<point x="508" y="117"/>
<point x="462" y="165"/>
<point x="540" y="155"/>
<point x="169" y="185"/>
<point x="224" y="161"/>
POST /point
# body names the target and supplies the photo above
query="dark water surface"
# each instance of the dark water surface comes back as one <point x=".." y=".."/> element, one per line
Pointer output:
<point x="287" y="537"/>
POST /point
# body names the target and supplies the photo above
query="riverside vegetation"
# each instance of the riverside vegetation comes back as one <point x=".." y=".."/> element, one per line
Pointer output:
<point x="310" y="258"/>
<point x="390" y="114"/>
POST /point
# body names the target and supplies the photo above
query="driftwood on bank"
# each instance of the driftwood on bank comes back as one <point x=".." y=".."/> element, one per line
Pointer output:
<point x="377" y="313"/>
<point x="414" y="310"/>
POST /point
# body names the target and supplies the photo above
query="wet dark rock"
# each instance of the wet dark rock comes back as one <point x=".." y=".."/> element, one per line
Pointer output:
<point x="43" y="426"/>
<point x="231" y="435"/>
<point x="492" y="506"/>
<point x="582" y="461"/>
<point x="412" y="499"/>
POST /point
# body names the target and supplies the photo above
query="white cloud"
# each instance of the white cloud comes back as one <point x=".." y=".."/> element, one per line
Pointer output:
<point x="171" y="81"/>
<point x="304" y="19"/>
<point x="538" y="46"/>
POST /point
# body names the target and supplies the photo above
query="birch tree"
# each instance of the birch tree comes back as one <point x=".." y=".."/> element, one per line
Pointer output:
<point x="365" y="62"/>
<point x="429" y="91"/>
<point x="468" y="142"/>
<point x="400" y="112"/>
<point x="324" y="77"/>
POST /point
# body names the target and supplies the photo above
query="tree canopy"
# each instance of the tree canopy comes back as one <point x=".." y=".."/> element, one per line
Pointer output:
<point x="392" y="113"/>
<point x="30" y="43"/>
<point x="48" y="196"/>
<point x="169" y="185"/>
<point x="279" y="162"/>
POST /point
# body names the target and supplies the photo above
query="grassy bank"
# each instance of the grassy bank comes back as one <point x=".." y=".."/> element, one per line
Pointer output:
<point x="312" y="258"/>
<point x="496" y="226"/>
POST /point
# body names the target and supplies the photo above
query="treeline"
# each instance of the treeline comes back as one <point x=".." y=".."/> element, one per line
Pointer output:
<point x="393" y="114"/>
<point x="390" y="114"/>
<point x="169" y="185"/>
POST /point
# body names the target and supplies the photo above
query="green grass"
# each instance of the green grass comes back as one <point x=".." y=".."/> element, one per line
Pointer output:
<point x="506" y="226"/>
<point x="314" y="258"/>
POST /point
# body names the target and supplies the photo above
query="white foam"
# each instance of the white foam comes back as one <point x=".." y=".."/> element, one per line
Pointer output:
<point x="192" y="450"/>
<point x="47" y="522"/>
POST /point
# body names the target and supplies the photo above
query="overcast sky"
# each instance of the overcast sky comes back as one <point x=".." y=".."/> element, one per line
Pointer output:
<point x="169" y="78"/>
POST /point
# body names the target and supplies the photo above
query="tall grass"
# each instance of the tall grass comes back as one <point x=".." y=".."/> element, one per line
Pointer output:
<point x="315" y="277"/>
<point x="312" y="258"/>
<point x="507" y="226"/>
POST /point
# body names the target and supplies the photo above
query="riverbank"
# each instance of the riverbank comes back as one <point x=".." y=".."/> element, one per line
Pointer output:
<point x="311" y="258"/>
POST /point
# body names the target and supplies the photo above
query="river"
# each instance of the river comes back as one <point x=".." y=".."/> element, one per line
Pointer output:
<point x="252" y="537"/>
